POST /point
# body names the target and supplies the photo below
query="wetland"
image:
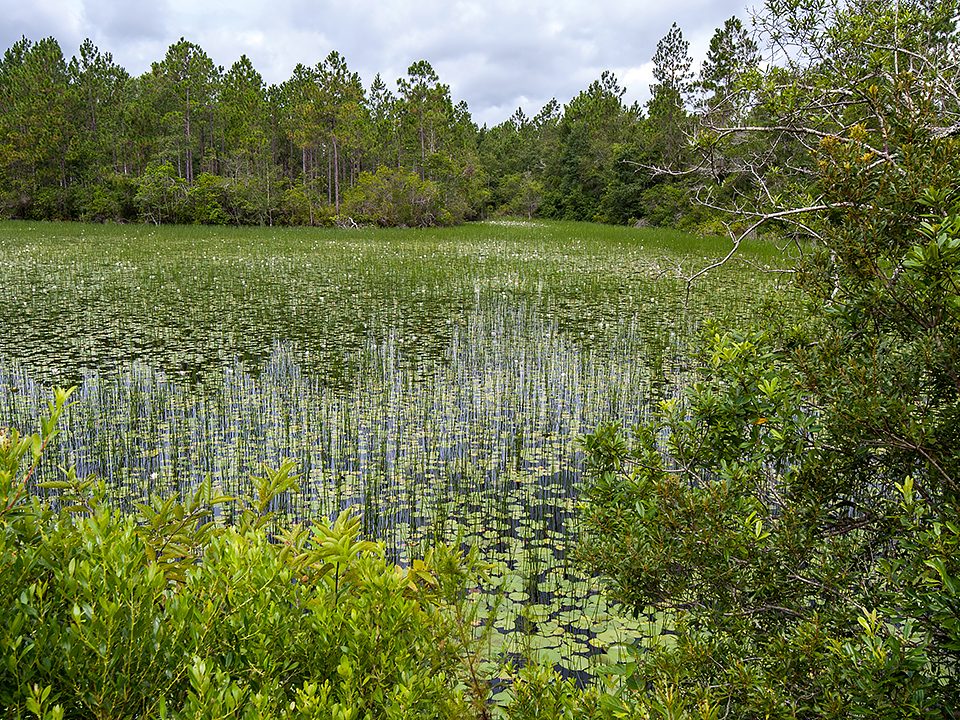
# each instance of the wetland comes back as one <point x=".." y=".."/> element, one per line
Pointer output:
<point x="437" y="381"/>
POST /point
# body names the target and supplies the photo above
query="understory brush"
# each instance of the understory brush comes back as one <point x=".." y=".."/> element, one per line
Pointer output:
<point x="165" y="613"/>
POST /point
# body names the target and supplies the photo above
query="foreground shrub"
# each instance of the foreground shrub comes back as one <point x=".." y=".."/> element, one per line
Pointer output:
<point x="163" y="613"/>
<point x="796" y="511"/>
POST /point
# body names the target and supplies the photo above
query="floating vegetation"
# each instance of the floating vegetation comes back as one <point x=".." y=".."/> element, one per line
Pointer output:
<point x="481" y="449"/>
<point x="437" y="381"/>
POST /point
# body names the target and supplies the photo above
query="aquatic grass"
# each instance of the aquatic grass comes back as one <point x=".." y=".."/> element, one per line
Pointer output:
<point x="188" y="299"/>
<point x="480" y="450"/>
<point x="437" y="380"/>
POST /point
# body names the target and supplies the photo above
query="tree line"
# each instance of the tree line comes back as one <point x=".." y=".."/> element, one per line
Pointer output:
<point x="189" y="141"/>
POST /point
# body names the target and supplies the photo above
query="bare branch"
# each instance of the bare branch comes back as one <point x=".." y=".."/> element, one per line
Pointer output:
<point x="738" y="239"/>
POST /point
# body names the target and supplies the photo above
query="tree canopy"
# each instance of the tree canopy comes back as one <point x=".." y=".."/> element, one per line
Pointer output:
<point x="85" y="140"/>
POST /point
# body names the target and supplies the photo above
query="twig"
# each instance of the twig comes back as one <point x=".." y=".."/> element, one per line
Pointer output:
<point x="761" y="219"/>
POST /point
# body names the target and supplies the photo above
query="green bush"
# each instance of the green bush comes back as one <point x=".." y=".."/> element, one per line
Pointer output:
<point x="110" y="200"/>
<point x="803" y="575"/>
<point x="208" y="200"/>
<point x="394" y="197"/>
<point x="160" y="194"/>
<point x="521" y="194"/>
<point x="162" y="613"/>
<point x="795" y="511"/>
<point x="300" y="204"/>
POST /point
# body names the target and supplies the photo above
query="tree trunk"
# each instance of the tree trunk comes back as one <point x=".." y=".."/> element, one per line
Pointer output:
<point x="186" y="131"/>
<point x="336" y="175"/>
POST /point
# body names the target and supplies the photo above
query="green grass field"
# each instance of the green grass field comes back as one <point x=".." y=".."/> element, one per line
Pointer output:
<point x="437" y="380"/>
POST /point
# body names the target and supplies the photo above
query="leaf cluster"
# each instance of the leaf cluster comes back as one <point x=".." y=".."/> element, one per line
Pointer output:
<point x="165" y="612"/>
<point x="795" y="509"/>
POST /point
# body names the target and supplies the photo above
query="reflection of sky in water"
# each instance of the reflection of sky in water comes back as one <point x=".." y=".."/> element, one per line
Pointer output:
<point x="481" y="450"/>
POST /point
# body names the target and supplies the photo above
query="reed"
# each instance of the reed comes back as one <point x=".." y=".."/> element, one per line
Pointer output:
<point x="438" y="381"/>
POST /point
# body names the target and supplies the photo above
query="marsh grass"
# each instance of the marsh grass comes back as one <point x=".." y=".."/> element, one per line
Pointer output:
<point x="438" y="380"/>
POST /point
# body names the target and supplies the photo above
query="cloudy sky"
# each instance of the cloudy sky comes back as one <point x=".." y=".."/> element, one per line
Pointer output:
<point x="495" y="54"/>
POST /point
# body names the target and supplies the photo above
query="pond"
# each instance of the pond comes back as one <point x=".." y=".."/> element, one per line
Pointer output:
<point x="436" y="380"/>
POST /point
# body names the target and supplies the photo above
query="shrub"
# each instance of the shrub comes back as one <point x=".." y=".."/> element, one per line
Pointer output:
<point x="393" y="197"/>
<point x="301" y="205"/>
<point x="208" y="200"/>
<point x="162" y="613"/>
<point x="112" y="199"/>
<point x="160" y="194"/>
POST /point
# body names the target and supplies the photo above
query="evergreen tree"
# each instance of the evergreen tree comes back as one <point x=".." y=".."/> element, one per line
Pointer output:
<point x="36" y="130"/>
<point x="342" y="117"/>
<point x="245" y="157"/>
<point x="667" y="108"/>
<point x="592" y="126"/>
<point x="184" y="88"/>
<point x="99" y="94"/>
<point x="426" y="111"/>
<point x="732" y="56"/>
<point x="383" y="147"/>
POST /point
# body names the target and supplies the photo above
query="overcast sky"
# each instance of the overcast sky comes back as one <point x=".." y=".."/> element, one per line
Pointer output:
<point x="497" y="55"/>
